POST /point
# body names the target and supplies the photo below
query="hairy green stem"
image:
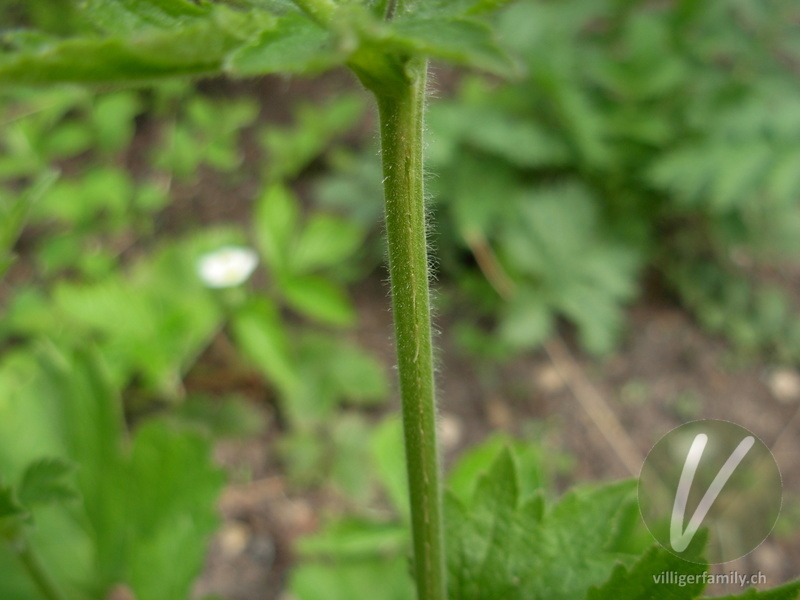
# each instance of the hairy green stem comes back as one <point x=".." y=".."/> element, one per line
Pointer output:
<point x="401" y="114"/>
<point x="36" y="571"/>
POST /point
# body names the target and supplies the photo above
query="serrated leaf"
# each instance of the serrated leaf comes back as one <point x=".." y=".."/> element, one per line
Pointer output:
<point x="472" y="465"/>
<point x="197" y="48"/>
<point x="646" y="579"/>
<point x="295" y="45"/>
<point x="563" y="257"/>
<point x="467" y="471"/>
<point x="43" y="482"/>
<point x="462" y="41"/>
<point x="499" y="547"/>
<point x="789" y="591"/>
<point x="497" y="490"/>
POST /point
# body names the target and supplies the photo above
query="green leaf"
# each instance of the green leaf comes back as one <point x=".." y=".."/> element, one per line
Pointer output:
<point x="103" y="193"/>
<point x="459" y="7"/>
<point x="113" y="120"/>
<point x="354" y="538"/>
<point x="503" y="546"/>
<point x="276" y="223"/>
<point x="324" y="242"/>
<point x="359" y="376"/>
<point x="294" y="45"/>
<point x="230" y="416"/>
<point x="563" y="257"/>
<point x="124" y="16"/>
<point x="319" y="299"/>
<point x="14" y="216"/>
<point x="146" y="509"/>
<point x="521" y="142"/>
<point x="789" y="591"/>
<point x="477" y="461"/>
<point x="260" y="333"/>
<point x="350" y="452"/>
<point x="291" y="149"/>
<point x="482" y="193"/>
<point x="10" y="507"/>
<point x="172" y="490"/>
<point x="44" y="482"/>
<point x="387" y="440"/>
<point x="197" y="48"/>
<point x="462" y="41"/>
<point x="354" y="559"/>
<point x="304" y="452"/>
<point x="528" y="322"/>
<point x="641" y="581"/>
<point x="385" y="578"/>
<point x="342" y="369"/>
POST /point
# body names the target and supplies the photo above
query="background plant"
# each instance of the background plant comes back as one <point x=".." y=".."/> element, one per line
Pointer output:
<point x="137" y="42"/>
<point x="644" y="139"/>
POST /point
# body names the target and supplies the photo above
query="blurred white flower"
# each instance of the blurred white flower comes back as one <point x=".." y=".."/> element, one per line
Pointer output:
<point x="226" y="267"/>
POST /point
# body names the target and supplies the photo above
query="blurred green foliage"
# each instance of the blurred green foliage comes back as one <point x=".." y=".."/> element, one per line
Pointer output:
<point x="99" y="507"/>
<point x="99" y="271"/>
<point x="644" y="137"/>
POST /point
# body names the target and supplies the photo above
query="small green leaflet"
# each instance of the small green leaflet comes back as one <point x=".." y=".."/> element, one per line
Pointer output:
<point x="45" y="482"/>
<point x="42" y="482"/>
